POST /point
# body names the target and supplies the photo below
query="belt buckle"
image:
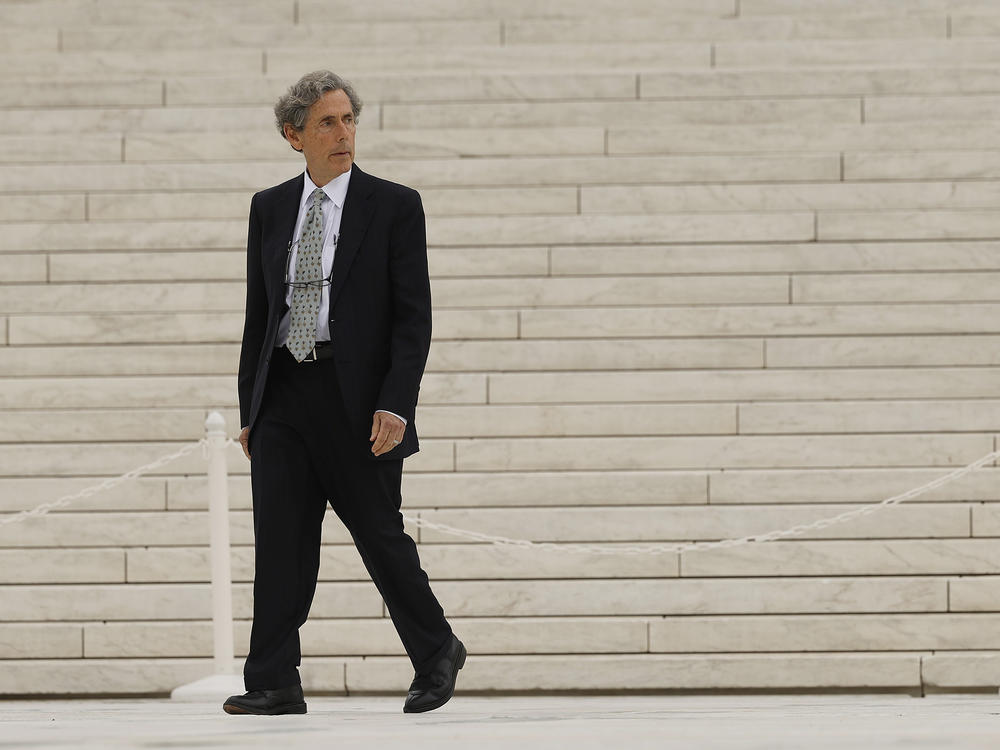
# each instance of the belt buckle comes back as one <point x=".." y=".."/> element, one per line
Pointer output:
<point x="313" y="353"/>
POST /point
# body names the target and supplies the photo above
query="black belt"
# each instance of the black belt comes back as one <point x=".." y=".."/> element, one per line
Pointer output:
<point x="321" y="350"/>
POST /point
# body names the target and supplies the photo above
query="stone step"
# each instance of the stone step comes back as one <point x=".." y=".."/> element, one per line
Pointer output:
<point x="114" y="459"/>
<point x="108" y="425"/>
<point x="97" y="91"/>
<point x="29" y="39"/>
<point x="451" y="172"/>
<point x="668" y="524"/>
<point x="484" y="562"/>
<point x="820" y="633"/>
<point x="625" y="28"/>
<point x="22" y="566"/>
<point x="116" y="62"/>
<point x="754" y="8"/>
<point x="119" y="360"/>
<point x="168" y="328"/>
<point x="702" y="226"/>
<point x="145" y="117"/>
<point x="116" y="425"/>
<point x="896" y="671"/>
<point x="195" y="391"/>
<point x="930" y="108"/>
<point x="909" y="224"/>
<point x="533" y="293"/>
<point x="314" y="11"/>
<point x="44" y="207"/>
<point x="119" y="12"/>
<point x="236" y="204"/>
<point x="444" y="262"/>
<point x="886" y="134"/>
<point x="445" y="86"/>
<point x="974" y="24"/>
<point x="360" y="637"/>
<point x="441" y="561"/>
<point x="784" y="138"/>
<point x="633" y="28"/>
<point x="552" y="454"/>
<point x="866" y="257"/>
<point x="614" y="487"/>
<point x="740" y="452"/>
<point x="744" y="385"/>
<point x="919" y="165"/>
<point x="123" y="602"/>
<point x="18" y="268"/>
<point x="263" y="90"/>
<point x="604" y="199"/>
<point x="376" y="34"/>
<point x="790" y="595"/>
<point x="231" y="264"/>
<point x="750" y="320"/>
<point x="868" y="80"/>
<point x="535" y="635"/>
<point x="904" y="672"/>
<point x="541" y="323"/>
<point x="821" y="196"/>
<point x="134" y="529"/>
<point x="91" y="147"/>
<point x="375" y="144"/>
<point x="82" y="677"/>
<point x="291" y="60"/>
<point x="123" y="297"/>
<point x="506" y="488"/>
<point x="858" y="52"/>
<point x="25" y="493"/>
<point x="547" y="420"/>
<point x="577" y="525"/>
<point x="645" y="112"/>
<point x="541" y="489"/>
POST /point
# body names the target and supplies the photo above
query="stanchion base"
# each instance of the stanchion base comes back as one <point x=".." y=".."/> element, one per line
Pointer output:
<point x="218" y="687"/>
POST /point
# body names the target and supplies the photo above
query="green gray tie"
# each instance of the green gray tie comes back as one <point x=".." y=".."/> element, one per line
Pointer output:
<point x="308" y="268"/>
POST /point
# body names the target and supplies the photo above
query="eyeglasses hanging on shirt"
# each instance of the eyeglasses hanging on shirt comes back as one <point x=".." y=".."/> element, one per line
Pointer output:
<point x="311" y="282"/>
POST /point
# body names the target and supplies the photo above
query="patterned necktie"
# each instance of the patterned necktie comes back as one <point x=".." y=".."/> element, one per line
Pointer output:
<point x="308" y="268"/>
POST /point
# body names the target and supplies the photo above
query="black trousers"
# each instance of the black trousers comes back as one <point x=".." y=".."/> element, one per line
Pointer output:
<point x="301" y="458"/>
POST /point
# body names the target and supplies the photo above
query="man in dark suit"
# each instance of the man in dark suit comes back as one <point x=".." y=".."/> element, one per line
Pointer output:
<point x="337" y="330"/>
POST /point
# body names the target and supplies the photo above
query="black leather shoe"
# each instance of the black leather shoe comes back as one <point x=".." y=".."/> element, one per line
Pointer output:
<point x="433" y="689"/>
<point x="288" y="700"/>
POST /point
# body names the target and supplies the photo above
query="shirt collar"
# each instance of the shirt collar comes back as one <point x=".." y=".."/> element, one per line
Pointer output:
<point x="335" y="189"/>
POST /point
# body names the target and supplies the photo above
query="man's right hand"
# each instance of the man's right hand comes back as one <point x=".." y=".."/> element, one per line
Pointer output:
<point x="245" y="441"/>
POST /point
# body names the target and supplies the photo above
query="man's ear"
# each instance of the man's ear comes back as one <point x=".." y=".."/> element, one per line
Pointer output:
<point x="292" y="136"/>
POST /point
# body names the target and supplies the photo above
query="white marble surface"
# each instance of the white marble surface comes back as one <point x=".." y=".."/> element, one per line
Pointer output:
<point x="710" y="722"/>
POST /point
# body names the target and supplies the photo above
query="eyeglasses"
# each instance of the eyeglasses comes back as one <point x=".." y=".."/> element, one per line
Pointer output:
<point x="312" y="282"/>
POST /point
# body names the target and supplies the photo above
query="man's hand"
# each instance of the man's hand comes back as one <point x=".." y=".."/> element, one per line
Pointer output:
<point x="387" y="431"/>
<point x="245" y="441"/>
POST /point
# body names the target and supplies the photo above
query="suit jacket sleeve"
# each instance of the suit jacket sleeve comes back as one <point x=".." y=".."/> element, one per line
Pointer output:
<point x="255" y="323"/>
<point x="410" y="293"/>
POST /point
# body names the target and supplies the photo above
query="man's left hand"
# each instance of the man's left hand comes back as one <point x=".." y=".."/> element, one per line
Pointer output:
<point x="387" y="432"/>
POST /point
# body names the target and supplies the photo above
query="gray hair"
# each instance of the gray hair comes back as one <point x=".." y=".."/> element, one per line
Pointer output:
<point x="293" y="106"/>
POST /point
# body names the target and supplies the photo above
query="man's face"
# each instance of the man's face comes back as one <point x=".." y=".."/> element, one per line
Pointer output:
<point x="327" y="138"/>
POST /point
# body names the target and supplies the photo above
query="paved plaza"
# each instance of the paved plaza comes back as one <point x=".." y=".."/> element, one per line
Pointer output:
<point x="692" y="722"/>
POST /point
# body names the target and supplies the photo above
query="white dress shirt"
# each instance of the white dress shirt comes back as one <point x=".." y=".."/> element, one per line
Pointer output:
<point x="334" y="194"/>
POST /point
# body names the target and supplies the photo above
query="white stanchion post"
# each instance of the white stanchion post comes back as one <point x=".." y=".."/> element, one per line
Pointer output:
<point x="218" y="508"/>
<point x="223" y="683"/>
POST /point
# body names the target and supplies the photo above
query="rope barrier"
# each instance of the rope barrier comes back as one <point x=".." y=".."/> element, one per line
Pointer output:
<point x="589" y="549"/>
<point x="107" y="484"/>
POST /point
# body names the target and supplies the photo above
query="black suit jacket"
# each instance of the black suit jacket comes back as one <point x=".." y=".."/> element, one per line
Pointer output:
<point x="380" y="301"/>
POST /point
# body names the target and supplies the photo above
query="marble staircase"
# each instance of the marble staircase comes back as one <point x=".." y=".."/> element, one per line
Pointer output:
<point x="701" y="269"/>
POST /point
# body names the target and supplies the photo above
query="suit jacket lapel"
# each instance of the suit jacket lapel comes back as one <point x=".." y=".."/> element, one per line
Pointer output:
<point x="286" y="211"/>
<point x="358" y="209"/>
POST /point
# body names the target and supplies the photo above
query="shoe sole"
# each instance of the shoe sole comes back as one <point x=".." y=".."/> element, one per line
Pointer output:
<point x="446" y="698"/>
<point x="288" y="708"/>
